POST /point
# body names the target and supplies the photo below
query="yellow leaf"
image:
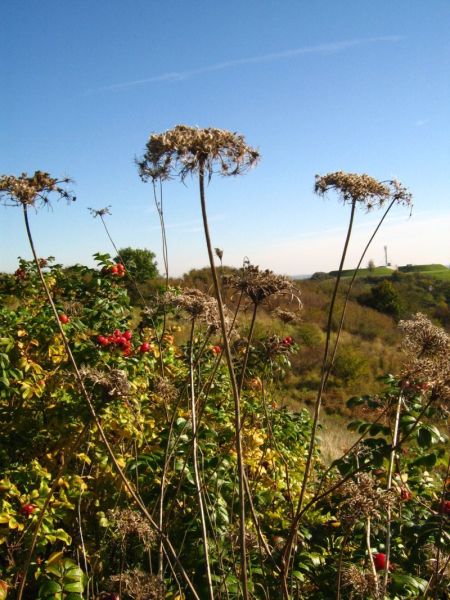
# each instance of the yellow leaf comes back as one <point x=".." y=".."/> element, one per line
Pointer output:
<point x="84" y="457"/>
<point x="54" y="557"/>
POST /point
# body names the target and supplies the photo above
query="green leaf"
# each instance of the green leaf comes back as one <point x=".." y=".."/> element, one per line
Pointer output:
<point x="76" y="586"/>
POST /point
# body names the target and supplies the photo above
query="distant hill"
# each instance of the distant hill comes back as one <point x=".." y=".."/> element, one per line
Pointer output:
<point x="434" y="270"/>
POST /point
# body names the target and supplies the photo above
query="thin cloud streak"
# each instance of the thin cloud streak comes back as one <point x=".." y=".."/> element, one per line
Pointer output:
<point x="330" y="48"/>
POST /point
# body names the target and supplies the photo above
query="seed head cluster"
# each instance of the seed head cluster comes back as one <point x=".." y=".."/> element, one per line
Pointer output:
<point x="428" y="357"/>
<point x="165" y="389"/>
<point x="114" y="381"/>
<point x="197" y="305"/>
<point x="186" y="150"/>
<point x="362" y="189"/>
<point x="259" y="285"/>
<point x="129" y="522"/>
<point x="29" y="191"/>
<point x="139" y="585"/>
<point x="363" y="499"/>
<point x="423" y="339"/>
<point x="286" y="316"/>
<point x="360" y="583"/>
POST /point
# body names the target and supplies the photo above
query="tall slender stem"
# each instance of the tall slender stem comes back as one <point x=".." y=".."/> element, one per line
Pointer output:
<point x="167" y="544"/>
<point x="388" y="488"/>
<point x="247" y="350"/>
<point x="371" y="560"/>
<point x="286" y="556"/>
<point x="234" y="386"/>
<point x="198" y="486"/>
<point x="347" y="295"/>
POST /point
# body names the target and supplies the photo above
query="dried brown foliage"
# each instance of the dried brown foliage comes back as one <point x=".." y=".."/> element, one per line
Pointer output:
<point x="29" y="191"/>
<point x="363" y="189"/>
<point x="259" y="285"/>
<point x="428" y="357"/>
<point x="360" y="583"/>
<point x="139" y="585"/>
<point x="114" y="382"/>
<point x="197" y="305"/>
<point x="183" y="150"/>
<point x="129" y="522"/>
<point x="363" y="498"/>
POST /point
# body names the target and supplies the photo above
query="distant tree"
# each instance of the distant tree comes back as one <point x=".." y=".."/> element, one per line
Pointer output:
<point x="320" y="275"/>
<point x="385" y="298"/>
<point x="371" y="265"/>
<point x="140" y="263"/>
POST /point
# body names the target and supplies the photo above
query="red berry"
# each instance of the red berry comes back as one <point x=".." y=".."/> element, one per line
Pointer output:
<point x="64" y="319"/>
<point x="380" y="561"/>
<point x="102" y="340"/>
<point x="28" y="509"/>
<point x="216" y="349"/>
<point x="444" y="507"/>
<point x="145" y="347"/>
<point x="114" y="269"/>
<point x="128" y="335"/>
<point x="405" y="495"/>
<point x="117" y="333"/>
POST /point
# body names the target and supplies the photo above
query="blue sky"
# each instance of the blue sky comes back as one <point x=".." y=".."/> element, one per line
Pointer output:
<point x="319" y="86"/>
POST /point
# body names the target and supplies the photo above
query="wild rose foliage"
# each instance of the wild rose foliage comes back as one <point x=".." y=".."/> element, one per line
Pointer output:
<point x="119" y="453"/>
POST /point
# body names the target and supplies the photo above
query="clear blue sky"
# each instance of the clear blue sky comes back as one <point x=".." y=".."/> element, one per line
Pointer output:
<point x="317" y="86"/>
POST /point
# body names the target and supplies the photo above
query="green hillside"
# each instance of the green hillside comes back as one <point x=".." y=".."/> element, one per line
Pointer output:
<point x="434" y="270"/>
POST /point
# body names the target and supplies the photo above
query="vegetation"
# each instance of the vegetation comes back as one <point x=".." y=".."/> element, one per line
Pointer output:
<point x="151" y="449"/>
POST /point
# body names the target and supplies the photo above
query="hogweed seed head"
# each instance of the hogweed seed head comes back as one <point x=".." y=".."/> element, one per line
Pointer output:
<point x="185" y="150"/>
<point x="29" y="191"/>
<point x="259" y="285"/>
<point x="362" y="189"/>
<point x="100" y="212"/>
<point x="422" y="339"/>
<point x="198" y="306"/>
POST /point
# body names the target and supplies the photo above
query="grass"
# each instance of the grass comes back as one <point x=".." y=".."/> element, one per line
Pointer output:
<point x="435" y="270"/>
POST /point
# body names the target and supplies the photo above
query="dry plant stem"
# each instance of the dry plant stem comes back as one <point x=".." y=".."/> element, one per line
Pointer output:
<point x="159" y="208"/>
<point x="198" y="487"/>
<point x="286" y="556"/>
<point x="168" y="546"/>
<point x="247" y="350"/>
<point x="234" y="385"/>
<point x="347" y="295"/>
<point x="341" y="556"/>
<point x="388" y="488"/>
<point x="133" y="280"/>
<point x="371" y="561"/>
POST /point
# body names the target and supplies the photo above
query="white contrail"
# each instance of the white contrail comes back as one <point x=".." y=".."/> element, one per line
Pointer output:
<point x="330" y="48"/>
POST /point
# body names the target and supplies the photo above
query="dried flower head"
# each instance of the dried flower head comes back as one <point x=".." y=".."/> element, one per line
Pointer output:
<point x="363" y="189"/>
<point x="362" y="499"/>
<point x="113" y="381"/>
<point x="423" y="339"/>
<point x="29" y="191"/>
<point x="286" y="316"/>
<point x="139" y="585"/>
<point x="100" y="212"/>
<point x="129" y="522"/>
<point x="427" y="368"/>
<point x="361" y="583"/>
<point x="72" y="308"/>
<point x="199" y="306"/>
<point x="259" y="285"/>
<point x="183" y="150"/>
<point x="165" y="389"/>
